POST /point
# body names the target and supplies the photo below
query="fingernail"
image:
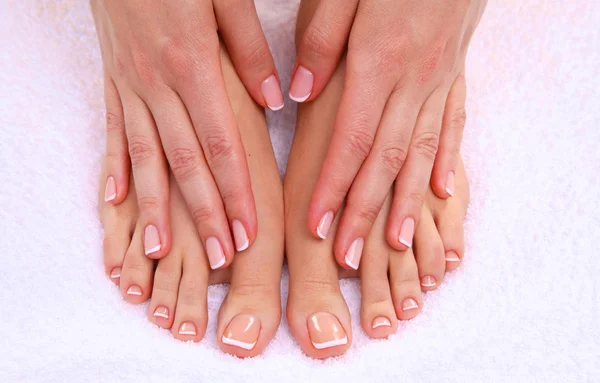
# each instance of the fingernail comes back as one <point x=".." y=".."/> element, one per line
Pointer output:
<point x="161" y="311"/>
<point x="302" y="84"/>
<point x="409" y="304"/>
<point x="428" y="281"/>
<point x="134" y="290"/>
<point x="216" y="257"/>
<point x="151" y="240"/>
<point x="407" y="231"/>
<point x="326" y="331"/>
<point x="242" y="332"/>
<point x="354" y="253"/>
<point x="240" y="236"/>
<point x="451" y="256"/>
<point x="187" y="328"/>
<point x="115" y="273"/>
<point x="110" y="192"/>
<point x="325" y="225"/>
<point x="450" y="184"/>
<point x="381" y="321"/>
<point x="272" y="93"/>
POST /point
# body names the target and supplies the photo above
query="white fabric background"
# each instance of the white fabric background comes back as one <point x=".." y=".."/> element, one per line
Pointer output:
<point x="524" y="306"/>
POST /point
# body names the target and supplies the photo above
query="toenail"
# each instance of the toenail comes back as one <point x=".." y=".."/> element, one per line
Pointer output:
<point x="161" y="311"/>
<point x="151" y="240"/>
<point x="325" y="225"/>
<point x="407" y="232"/>
<point x="381" y="321"/>
<point x="216" y="257"/>
<point x="450" y="184"/>
<point x="451" y="256"/>
<point x="242" y="332"/>
<point x="115" y="273"/>
<point x="240" y="236"/>
<point x="110" y="192"/>
<point x="354" y="253"/>
<point x="134" y="290"/>
<point x="326" y="331"/>
<point x="428" y="281"/>
<point x="409" y="304"/>
<point x="187" y="328"/>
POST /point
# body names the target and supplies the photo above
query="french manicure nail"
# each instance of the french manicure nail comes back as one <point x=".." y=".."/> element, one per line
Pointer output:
<point x="240" y="236"/>
<point x="428" y="281"/>
<point x="115" y="273"/>
<point x="409" y="304"/>
<point x="451" y="256"/>
<point x="325" y="225"/>
<point x="216" y="257"/>
<point x="110" y="192"/>
<point x="151" y="240"/>
<point x="325" y="331"/>
<point x="302" y="84"/>
<point x="407" y="231"/>
<point x="381" y="321"/>
<point x="354" y="253"/>
<point x="272" y="93"/>
<point x="187" y="328"/>
<point x="161" y="311"/>
<point x="242" y="332"/>
<point x="450" y="184"/>
<point x="134" y="290"/>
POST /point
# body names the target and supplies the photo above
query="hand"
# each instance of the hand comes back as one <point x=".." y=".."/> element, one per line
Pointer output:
<point x="165" y="96"/>
<point x="403" y="100"/>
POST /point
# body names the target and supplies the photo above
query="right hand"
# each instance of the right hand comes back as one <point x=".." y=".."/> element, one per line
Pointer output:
<point x="165" y="96"/>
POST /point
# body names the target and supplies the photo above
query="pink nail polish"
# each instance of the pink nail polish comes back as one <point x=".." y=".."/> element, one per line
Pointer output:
<point x="302" y="84"/>
<point x="451" y="256"/>
<point x="240" y="236"/>
<point x="110" y="192"/>
<point x="151" y="240"/>
<point x="450" y="184"/>
<point x="325" y="225"/>
<point x="381" y="321"/>
<point x="407" y="232"/>
<point x="162" y="312"/>
<point x="409" y="304"/>
<point x="216" y="257"/>
<point x="272" y="93"/>
<point x="428" y="281"/>
<point x="354" y="253"/>
<point x="134" y="290"/>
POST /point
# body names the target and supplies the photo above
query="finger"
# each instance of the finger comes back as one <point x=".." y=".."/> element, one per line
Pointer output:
<point x="240" y="28"/>
<point x="377" y="174"/>
<point x="413" y="179"/>
<point x="207" y="102"/>
<point x="320" y="45"/>
<point x="193" y="176"/>
<point x="117" y="157"/>
<point x="149" y="174"/>
<point x="453" y="124"/>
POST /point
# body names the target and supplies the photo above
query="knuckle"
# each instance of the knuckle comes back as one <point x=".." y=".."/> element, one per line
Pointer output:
<point x="184" y="162"/>
<point x="148" y="203"/>
<point x="359" y="142"/>
<point x="314" y="285"/>
<point x="143" y="67"/>
<point x="115" y="157"/>
<point x="337" y="186"/>
<point x="256" y="55"/>
<point x="114" y="122"/>
<point x="177" y="61"/>
<point x="426" y="145"/>
<point x="316" y="44"/>
<point x="415" y="199"/>
<point x="202" y="214"/>
<point x="458" y="119"/>
<point x="393" y="158"/>
<point x="368" y="212"/>
<point x="141" y="149"/>
<point x="218" y="148"/>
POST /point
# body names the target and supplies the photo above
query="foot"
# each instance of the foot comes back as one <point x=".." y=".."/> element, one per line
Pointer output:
<point x="177" y="284"/>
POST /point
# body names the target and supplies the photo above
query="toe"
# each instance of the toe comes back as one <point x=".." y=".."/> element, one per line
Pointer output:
<point x="137" y="271"/>
<point x="429" y="252"/>
<point x="167" y="278"/>
<point x="405" y="285"/>
<point x="451" y="231"/>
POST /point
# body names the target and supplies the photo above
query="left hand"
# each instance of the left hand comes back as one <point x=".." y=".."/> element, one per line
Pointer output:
<point x="403" y="100"/>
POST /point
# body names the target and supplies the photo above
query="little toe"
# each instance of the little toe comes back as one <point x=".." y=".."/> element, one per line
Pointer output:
<point x="405" y="285"/>
<point x="137" y="271"/>
<point x="429" y="252"/>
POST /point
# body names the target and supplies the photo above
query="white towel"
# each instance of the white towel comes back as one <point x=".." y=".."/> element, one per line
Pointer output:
<point x="524" y="305"/>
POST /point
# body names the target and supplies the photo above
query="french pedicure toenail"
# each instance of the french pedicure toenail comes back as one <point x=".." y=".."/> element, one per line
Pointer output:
<point x="354" y="253"/>
<point x="326" y="331"/>
<point x="409" y="304"/>
<point x="115" y="273"/>
<point x="407" y="232"/>
<point x="302" y="84"/>
<point x="162" y="312"/>
<point x="187" y="328"/>
<point x="240" y="236"/>
<point x="381" y="321"/>
<point x="450" y="184"/>
<point x="151" y="240"/>
<point x="134" y="290"/>
<point x="451" y="256"/>
<point x="272" y="93"/>
<point x="428" y="281"/>
<point x="242" y="332"/>
<point x="325" y="225"/>
<point x="110" y="192"/>
<point x="216" y="257"/>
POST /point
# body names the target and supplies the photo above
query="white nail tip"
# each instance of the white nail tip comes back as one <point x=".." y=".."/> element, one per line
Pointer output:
<point x="276" y="108"/>
<point x="152" y="250"/>
<point x="110" y="198"/>
<point x="133" y="292"/>
<point x="216" y="266"/>
<point x="161" y="315"/>
<point x="300" y="99"/>
<point x="237" y="343"/>
<point x="333" y="343"/>
<point x="404" y="242"/>
<point x="428" y="284"/>
<point x="384" y="323"/>
<point x="115" y="276"/>
<point x="410" y="307"/>
<point x="449" y="192"/>
<point x="243" y="247"/>
<point x="187" y="332"/>
<point x="452" y="259"/>
<point x="320" y="234"/>
<point x="349" y="263"/>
